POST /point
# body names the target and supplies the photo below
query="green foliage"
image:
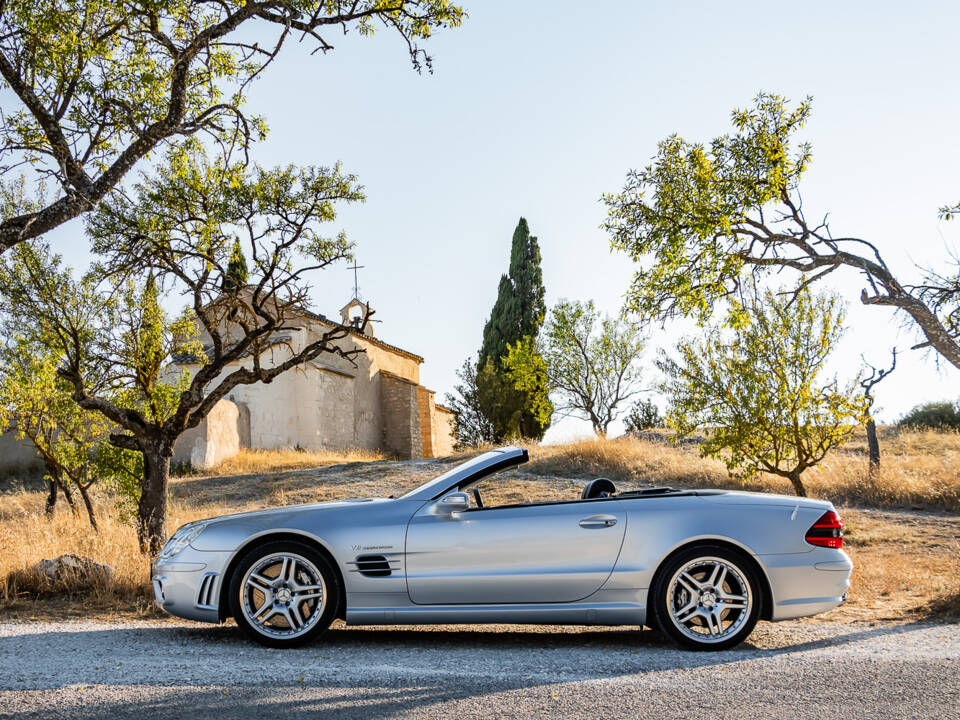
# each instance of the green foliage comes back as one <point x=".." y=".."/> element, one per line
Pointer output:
<point x="932" y="416"/>
<point x="147" y="371"/>
<point x="95" y="85"/>
<point x="86" y="336"/>
<point x="510" y="410"/>
<point x="758" y="392"/>
<point x="591" y="362"/>
<point x="236" y="275"/>
<point x="704" y="221"/>
<point x="186" y="221"/>
<point x="470" y="424"/>
<point x="512" y="413"/>
<point x="39" y="402"/>
<point x="691" y="215"/>
<point x="520" y="307"/>
<point x="147" y="343"/>
<point x="644" y="415"/>
<point x="525" y="374"/>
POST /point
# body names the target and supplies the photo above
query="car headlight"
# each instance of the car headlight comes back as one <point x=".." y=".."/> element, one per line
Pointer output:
<point x="180" y="539"/>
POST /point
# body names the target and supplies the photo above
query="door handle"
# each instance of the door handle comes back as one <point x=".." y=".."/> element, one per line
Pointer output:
<point x="598" y="521"/>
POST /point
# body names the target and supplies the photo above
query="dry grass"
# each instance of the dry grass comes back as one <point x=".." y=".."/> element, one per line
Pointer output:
<point x="26" y="537"/>
<point x="918" y="469"/>
<point x="907" y="563"/>
<point x="248" y="462"/>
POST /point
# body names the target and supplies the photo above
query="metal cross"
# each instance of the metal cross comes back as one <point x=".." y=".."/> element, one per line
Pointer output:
<point x="356" y="286"/>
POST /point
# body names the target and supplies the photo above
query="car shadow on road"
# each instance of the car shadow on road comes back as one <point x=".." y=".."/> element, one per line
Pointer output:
<point x="382" y="672"/>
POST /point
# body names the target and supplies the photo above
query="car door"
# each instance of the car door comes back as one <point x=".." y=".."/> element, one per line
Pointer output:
<point x="537" y="553"/>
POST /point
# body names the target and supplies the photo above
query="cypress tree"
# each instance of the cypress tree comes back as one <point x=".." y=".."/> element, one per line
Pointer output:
<point x="236" y="276"/>
<point x="520" y="306"/>
<point x="517" y="314"/>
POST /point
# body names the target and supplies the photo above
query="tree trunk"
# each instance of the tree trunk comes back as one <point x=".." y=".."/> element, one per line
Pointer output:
<point x="152" y="510"/>
<point x="68" y="494"/>
<point x="89" y="506"/>
<point x="873" y="445"/>
<point x="797" y="483"/>
<point x="51" y="498"/>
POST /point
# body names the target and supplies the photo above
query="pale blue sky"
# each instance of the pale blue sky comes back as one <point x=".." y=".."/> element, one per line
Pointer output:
<point x="537" y="108"/>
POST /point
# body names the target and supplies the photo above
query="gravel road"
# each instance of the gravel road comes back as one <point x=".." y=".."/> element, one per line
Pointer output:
<point x="180" y="670"/>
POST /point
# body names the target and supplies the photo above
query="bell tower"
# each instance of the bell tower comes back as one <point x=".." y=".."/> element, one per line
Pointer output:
<point x="353" y="314"/>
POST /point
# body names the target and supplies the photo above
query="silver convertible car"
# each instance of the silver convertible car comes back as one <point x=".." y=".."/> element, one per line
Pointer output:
<point x="703" y="566"/>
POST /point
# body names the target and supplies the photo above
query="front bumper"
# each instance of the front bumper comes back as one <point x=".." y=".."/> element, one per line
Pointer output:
<point x="189" y="585"/>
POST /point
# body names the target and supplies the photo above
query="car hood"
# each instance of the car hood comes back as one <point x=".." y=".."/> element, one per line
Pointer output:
<point x="349" y="503"/>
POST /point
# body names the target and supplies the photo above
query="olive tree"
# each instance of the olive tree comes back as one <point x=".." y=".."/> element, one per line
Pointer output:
<point x="592" y="362"/>
<point x="181" y="226"/>
<point x="759" y="391"/>
<point x="702" y="219"/>
<point x="37" y="403"/>
<point x="97" y="85"/>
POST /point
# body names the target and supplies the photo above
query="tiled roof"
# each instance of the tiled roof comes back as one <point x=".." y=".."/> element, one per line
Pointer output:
<point x="368" y="338"/>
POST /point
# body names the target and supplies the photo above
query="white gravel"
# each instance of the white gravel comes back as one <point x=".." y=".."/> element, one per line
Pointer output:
<point x="182" y="670"/>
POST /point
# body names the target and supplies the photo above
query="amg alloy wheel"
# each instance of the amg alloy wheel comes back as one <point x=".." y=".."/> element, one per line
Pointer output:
<point x="282" y="594"/>
<point x="707" y="598"/>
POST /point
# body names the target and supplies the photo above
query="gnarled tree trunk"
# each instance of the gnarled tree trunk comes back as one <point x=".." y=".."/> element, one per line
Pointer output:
<point x="152" y="510"/>
<point x="56" y="485"/>
<point x="797" y="483"/>
<point x="89" y="506"/>
<point x="51" y="503"/>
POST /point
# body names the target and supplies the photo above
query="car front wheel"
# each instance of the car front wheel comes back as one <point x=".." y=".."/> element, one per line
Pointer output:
<point x="707" y="598"/>
<point x="283" y="594"/>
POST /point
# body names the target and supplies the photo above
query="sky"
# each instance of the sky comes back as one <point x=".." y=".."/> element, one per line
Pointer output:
<point x="536" y="109"/>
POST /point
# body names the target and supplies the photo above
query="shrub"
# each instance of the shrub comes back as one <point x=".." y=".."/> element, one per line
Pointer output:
<point x="932" y="416"/>
<point x="643" y="416"/>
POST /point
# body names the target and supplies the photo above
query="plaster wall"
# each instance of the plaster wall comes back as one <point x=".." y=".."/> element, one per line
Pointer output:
<point x="214" y="440"/>
<point x="17" y="455"/>
<point x="441" y="423"/>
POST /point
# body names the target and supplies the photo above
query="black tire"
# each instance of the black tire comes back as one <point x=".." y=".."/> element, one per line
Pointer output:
<point x="310" y="570"/>
<point x="688" y="610"/>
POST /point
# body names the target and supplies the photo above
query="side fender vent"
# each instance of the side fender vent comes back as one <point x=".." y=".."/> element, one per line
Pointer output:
<point x="372" y="565"/>
<point x="207" y="597"/>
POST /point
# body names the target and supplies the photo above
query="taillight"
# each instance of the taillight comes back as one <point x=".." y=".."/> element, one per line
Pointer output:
<point x="827" y="531"/>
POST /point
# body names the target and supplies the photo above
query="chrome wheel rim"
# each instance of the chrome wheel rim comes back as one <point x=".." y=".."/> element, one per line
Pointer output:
<point x="283" y="595"/>
<point x="709" y="599"/>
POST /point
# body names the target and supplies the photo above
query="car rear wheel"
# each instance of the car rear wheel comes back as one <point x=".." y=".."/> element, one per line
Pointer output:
<point x="707" y="597"/>
<point x="283" y="594"/>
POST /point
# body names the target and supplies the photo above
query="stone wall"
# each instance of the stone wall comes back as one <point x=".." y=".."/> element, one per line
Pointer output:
<point x="425" y="412"/>
<point x="401" y="417"/>
<point x="214" y="440"/>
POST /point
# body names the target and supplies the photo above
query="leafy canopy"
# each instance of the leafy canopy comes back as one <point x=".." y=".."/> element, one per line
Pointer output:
<point x="702" y="219"/>
<point x="155" y="375"/>
<point x="692" y="210"/>
<point x="759" y="393"/>
<point x="98" y="84"/>
<point x="592" y="362"/>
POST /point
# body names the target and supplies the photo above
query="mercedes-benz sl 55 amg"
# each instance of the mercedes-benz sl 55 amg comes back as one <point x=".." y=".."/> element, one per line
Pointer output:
<point x="703" y="566"/>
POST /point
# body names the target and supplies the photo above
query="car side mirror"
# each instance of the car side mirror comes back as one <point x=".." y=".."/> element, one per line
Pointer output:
<point x="453" y="503"/>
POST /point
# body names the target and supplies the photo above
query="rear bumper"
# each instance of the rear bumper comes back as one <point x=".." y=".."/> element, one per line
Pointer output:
<point x="806" y="584"/>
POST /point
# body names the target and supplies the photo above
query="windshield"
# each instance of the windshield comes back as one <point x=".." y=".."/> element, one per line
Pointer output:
<point x="439" y="482"/>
